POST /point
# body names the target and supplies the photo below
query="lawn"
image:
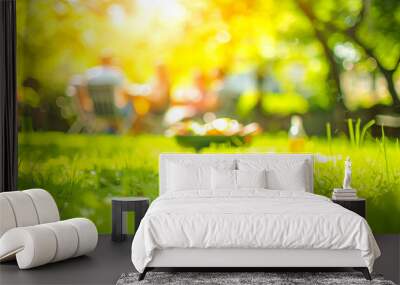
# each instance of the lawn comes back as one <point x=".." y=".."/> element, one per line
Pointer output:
<point x="83" y="172"/>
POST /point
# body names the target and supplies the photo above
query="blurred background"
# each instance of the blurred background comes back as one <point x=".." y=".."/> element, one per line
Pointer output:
<point x="104" y="86"/>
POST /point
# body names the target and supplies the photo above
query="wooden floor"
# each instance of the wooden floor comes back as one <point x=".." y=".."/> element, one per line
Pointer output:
<point x="110" y="260"/>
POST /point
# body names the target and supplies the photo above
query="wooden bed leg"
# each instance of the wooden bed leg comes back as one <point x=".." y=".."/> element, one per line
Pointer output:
<point x="364" y="271"/>
<point x="143" y="274"/>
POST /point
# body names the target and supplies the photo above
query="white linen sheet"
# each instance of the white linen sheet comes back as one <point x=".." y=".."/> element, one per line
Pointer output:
<point x="252" y="218"/>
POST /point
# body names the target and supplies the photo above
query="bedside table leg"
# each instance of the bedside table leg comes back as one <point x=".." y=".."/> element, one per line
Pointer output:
<point x="139" y="214"/>
<point x="117" y="220"/>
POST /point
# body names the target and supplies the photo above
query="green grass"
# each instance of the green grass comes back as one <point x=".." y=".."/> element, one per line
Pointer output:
<point x="83" y="172"/>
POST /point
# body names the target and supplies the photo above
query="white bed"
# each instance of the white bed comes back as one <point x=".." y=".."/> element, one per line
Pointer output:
<point x="249" y="227"/>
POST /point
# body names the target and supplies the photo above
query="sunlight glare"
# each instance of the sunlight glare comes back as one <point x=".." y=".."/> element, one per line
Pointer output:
<point x="116" y="14"/>
<point x="170" y="11"/>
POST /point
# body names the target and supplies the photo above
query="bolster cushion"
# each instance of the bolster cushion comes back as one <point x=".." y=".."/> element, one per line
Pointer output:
<point x="40" y="244"/>
<point x="26" y="208"/>
<point x="7" y="218"/>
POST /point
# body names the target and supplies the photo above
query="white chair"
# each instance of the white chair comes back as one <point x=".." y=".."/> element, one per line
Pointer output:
<point x="31" y="230"/>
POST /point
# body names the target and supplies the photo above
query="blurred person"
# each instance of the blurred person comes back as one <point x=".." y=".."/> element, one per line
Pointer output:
<point x="77" y="89"/>
<point x="158" y="99"/>
<point x="82" y="104"/>
<point x="227" y="99"/>
<point x="160" y="90"/>
<point x="107" y="73"/>
<point x="103" y="93"/>
<point x="150" y="100"/>
<point x="208" y="100"/>
<point x="193" y="101"/>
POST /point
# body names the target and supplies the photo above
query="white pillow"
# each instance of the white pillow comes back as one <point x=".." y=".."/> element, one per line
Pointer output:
<point x="223" y="179"/>
<point x="191" y="174"/>
<point x="282" y="174"/>
<point x="295" y="180"/>
<point x="251" y="178"/>
<point x="227" y="179"/>
<point x="181" y="177"/>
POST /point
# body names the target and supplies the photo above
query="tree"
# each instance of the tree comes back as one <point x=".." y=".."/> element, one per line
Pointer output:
<point x="322" y="37"/>
<point x="374" y="29"/>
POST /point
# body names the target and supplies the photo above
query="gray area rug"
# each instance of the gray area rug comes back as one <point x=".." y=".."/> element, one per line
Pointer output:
<point x="228" y="278"/>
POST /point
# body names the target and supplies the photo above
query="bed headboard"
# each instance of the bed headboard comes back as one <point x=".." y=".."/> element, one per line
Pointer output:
<point x="165" y="157"/>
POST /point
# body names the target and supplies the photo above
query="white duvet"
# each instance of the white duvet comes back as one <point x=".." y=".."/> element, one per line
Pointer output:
<point x="250" y="219"/>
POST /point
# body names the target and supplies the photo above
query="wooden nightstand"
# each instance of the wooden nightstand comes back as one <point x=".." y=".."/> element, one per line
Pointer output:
<point x="357" y="205"/>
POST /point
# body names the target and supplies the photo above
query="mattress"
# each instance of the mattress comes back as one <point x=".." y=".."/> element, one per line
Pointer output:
<point x="250" y="219"/>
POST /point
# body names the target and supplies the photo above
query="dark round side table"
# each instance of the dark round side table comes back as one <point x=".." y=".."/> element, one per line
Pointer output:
<point x="121" y="205"/>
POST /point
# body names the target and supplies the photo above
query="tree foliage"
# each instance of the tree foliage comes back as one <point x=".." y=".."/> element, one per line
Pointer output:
<point x="295" y="41"/>
<point x="372" y="26"/>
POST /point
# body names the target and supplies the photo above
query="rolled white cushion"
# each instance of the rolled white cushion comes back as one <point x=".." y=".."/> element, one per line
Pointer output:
<point x="23" y="208"/>
<point x="87" y="234"/>
<point x="40" y="244"/>
<point x="7" y="218"/>
<point x="33" y="246"/>
<point x="46" y="207"/>
<point x="67" y="240"/>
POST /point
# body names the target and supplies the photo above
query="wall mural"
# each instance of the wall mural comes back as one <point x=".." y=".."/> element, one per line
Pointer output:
<point x="104" y="87"/>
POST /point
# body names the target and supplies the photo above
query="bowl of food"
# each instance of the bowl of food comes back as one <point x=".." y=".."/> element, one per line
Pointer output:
<point x="219" y="131"/>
